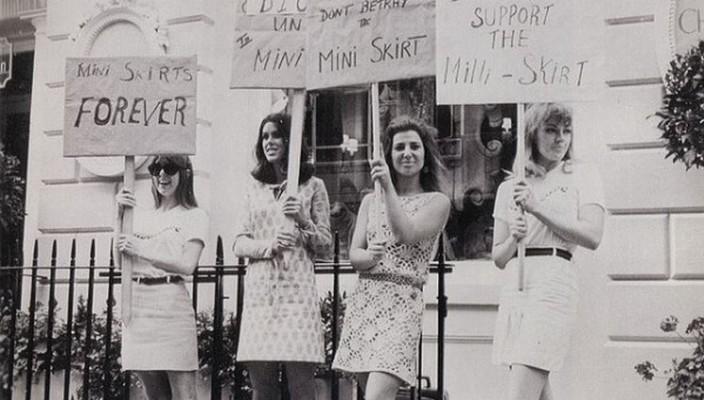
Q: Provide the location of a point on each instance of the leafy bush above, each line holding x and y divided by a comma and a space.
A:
230, 373
11, 193
686, 376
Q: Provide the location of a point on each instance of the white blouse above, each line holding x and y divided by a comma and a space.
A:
562, 192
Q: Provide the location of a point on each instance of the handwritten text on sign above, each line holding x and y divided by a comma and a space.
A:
521, 51
130, 106
269, 44
360, 41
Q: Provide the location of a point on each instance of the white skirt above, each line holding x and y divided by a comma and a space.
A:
162, 332
534, 327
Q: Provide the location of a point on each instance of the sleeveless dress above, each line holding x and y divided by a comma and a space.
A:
281, 312
382, 322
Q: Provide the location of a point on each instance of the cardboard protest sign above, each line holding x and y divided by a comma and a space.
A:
130, 106
354, 42
491, 51
269, 47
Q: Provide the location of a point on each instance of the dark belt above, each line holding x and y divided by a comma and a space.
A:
397, 279
547, 251
158, 281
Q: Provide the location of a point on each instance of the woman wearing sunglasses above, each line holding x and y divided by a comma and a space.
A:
159, 343
281, 315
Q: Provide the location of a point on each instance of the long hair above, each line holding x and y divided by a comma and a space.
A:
185, 196
264, 170
431, 176
537, 115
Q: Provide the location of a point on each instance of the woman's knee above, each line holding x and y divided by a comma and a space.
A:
301, 380
264, 377
381, 386
156, 384
183, 384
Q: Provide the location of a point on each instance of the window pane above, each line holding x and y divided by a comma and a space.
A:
477, 152
477, 144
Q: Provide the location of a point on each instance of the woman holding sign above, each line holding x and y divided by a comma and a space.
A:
159, 343
557, 208
383, 318
281, 235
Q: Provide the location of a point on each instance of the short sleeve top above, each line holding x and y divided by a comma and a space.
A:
563, 191
167, 232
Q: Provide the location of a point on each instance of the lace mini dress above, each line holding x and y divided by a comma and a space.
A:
382, 322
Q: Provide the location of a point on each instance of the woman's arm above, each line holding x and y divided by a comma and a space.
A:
183, 264
362, 257
506, 238
245, 246
585, 228
427, 222
315, 231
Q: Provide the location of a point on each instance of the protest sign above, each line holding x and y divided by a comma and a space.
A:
269, 46
130, 106
491, 51
353, 42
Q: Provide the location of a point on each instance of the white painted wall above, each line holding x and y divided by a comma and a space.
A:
647, 267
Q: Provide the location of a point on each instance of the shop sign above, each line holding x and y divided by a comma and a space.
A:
5, 61
680, 27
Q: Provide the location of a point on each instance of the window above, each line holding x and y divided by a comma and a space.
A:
477, 144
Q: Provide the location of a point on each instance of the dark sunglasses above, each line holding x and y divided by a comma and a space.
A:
170, 168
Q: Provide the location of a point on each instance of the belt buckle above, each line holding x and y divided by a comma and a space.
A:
553, 251
138, 280
168, 278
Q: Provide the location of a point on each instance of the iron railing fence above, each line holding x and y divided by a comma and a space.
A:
205, 274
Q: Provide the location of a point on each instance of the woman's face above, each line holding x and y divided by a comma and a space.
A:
165, 177
554, 139
407, 153
273, 143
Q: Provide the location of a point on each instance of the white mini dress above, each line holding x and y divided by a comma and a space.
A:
534, 327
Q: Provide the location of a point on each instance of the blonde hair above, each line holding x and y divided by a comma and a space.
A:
536, 116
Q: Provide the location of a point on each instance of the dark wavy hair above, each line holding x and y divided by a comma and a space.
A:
184, 191
264, 170
431, 176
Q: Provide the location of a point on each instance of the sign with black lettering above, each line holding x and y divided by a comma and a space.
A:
130, 106
502, 51
354, 42
5, 61
269, 46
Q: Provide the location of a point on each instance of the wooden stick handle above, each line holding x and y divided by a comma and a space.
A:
295, 141
521, 163
377, 153
126, 260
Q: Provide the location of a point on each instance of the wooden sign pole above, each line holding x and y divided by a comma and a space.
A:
377, 153
521, 163
295, 141
126, 260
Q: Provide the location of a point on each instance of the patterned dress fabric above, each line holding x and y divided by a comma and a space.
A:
534, 327
281, 313
382, 323
162, 332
